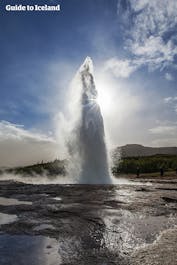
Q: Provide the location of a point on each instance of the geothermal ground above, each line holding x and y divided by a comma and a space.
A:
133, 223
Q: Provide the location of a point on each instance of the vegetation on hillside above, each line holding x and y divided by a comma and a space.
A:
57, 167
148, 164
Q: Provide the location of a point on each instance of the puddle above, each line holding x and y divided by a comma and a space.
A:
131, 182
43, 227
7, 219
57, 199
125, 195
28, 250
9, 201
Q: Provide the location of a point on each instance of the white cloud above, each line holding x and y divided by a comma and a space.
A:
152, 31
165, 134
171, 101
120, 68
169, 77
16, 131
168, 99
172, 141
19, 146
164, 129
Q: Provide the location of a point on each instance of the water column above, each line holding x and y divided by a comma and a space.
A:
93, 152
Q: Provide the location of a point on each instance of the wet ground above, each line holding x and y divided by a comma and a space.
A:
133, 223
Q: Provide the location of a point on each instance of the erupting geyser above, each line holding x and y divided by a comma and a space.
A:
89, 131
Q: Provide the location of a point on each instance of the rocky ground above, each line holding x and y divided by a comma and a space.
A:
132, 223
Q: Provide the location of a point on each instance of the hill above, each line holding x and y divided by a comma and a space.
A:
137, 150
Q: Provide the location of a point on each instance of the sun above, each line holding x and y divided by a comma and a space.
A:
105, 101
112, 98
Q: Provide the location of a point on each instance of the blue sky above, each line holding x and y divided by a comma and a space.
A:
133, 44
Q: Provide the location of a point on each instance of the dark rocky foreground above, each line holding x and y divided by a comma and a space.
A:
88, 224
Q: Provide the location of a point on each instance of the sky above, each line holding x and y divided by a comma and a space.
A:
133, 44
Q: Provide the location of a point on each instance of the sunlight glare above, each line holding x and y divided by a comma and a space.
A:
104, 100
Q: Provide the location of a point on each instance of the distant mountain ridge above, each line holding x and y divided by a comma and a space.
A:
135, 150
